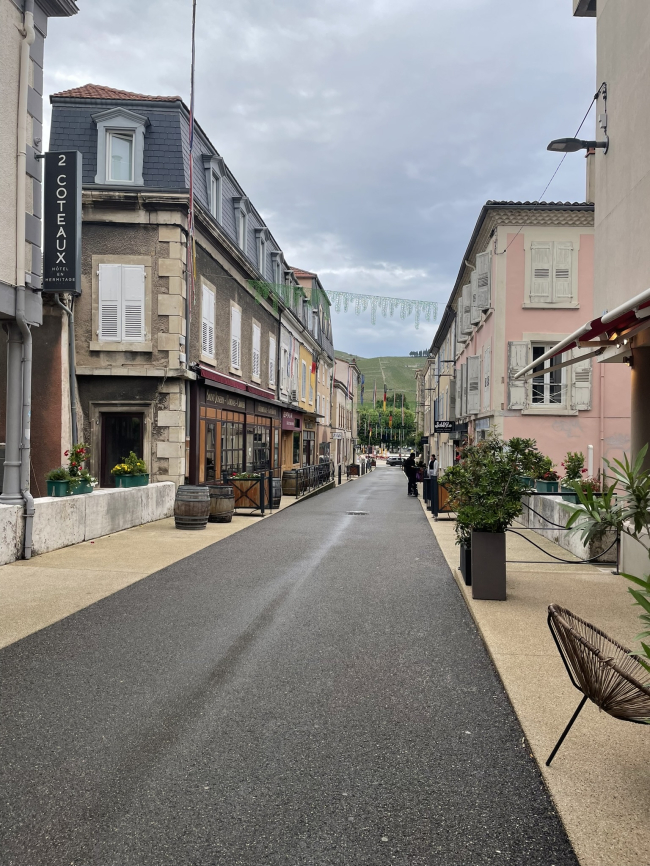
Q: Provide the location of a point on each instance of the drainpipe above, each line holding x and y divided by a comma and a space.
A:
14, 384
72, 368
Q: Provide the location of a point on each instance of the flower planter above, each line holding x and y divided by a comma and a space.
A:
81, 488
489, 566
247, 492
58, 488
527, 480
466, 564
569, 495
132, 480
546, 486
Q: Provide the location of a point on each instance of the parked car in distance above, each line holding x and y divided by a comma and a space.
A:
394, 460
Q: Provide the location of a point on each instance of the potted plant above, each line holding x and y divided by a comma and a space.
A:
548, 480
58, 481
458, 484
81, 481
529, 460
131, 472
574, 469
623, 506
487, 497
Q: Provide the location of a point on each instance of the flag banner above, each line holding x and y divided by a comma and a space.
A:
390, 420
385, 396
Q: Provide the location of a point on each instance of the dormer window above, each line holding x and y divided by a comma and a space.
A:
119, 163
215, 170
261, 237
242, 210
276, 258
120, 146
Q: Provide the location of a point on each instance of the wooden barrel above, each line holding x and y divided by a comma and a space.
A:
289, 482
191, 507
277, 492
222, 503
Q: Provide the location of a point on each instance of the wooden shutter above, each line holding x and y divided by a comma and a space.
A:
475, 311
272, 351
466, 309
133, 303
563, 271
257, 363
540, 281
518, 353
487, 369
484, 280
110, 303
473, 384
581, 382
207, 322
235, 338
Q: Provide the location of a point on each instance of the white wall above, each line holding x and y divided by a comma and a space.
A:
10, 40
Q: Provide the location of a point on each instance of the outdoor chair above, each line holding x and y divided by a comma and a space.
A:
601, 668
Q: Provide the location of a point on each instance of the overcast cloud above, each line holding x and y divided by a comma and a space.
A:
367, 132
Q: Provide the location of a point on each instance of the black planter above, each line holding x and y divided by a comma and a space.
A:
489, 565
466, 564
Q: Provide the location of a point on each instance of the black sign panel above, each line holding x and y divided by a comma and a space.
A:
443, 426
62, 222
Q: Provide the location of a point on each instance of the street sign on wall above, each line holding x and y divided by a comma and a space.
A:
443, 426
62, 222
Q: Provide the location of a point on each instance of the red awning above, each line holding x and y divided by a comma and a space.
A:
624, 321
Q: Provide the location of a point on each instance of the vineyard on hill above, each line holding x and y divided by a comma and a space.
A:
397, 373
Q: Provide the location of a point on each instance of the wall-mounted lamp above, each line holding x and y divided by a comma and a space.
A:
571, 145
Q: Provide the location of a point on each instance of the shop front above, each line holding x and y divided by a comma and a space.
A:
232, 434
292, 432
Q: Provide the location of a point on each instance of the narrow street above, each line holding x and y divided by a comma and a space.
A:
310, 690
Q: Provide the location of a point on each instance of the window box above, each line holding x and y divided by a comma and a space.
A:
546, 486
58, 488
132, 480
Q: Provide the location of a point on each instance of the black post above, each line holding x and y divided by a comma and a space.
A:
340, 468
262, 488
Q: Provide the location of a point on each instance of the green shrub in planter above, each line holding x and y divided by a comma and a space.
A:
546, 486
58, 481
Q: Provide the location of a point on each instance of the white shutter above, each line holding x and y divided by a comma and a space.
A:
473, 384
518, 353
452, 401
110, 303
466, 309
272, 351
484, 280
487, 370
563, 271
133, 303
458, 390
463, 385
475, 312
235, 338
303, 382
257, 338
207, 322
540, 280
581, 382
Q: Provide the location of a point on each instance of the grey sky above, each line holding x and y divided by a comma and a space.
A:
367, 132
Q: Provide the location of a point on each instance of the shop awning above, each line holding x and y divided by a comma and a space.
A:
236, 386
609, 332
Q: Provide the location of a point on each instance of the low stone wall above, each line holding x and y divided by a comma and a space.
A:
62, 521
550, 508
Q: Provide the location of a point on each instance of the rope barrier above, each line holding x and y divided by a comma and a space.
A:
559, 559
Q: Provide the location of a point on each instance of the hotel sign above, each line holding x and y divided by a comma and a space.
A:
443, 426
62, 222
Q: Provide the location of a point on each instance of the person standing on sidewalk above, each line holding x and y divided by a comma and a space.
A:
410, 472
433, 484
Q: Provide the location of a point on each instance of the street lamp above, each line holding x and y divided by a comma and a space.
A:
571, 145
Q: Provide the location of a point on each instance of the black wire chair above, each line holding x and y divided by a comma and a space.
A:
602, 669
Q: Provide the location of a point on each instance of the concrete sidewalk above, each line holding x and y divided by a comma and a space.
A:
599, 779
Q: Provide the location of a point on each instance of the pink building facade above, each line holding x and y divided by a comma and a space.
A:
525, 283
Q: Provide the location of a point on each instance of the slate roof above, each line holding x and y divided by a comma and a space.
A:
300, 273
99, 91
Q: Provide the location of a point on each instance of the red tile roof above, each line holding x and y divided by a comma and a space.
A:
300, 273
98, 91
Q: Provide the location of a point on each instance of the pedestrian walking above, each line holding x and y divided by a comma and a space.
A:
410, 471
433, 484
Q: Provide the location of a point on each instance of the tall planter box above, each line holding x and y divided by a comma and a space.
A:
466, 564
247, 492
489, 566
546, 486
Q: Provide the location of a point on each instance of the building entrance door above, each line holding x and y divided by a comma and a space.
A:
121, 434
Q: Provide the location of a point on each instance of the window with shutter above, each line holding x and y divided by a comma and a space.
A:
272, 352
452, 401
473, 384
207, 322
487, 367
235, 338
562, 271
303, 381
465, 305
257, 339
475, 312
518, 352
484, 281
133, 303
110, 303
541, 262
582, 382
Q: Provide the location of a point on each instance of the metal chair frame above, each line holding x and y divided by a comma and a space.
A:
604, 681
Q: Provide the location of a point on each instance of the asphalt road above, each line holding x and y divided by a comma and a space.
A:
311, 690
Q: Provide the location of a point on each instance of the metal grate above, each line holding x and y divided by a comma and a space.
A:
357, 513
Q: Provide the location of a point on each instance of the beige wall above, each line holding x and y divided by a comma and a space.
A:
622, 263
10, 40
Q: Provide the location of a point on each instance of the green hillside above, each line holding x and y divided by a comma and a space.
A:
397, 373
